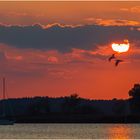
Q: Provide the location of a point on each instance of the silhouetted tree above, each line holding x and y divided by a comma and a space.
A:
71, 103
119, 108
74, 96
89, 109
134, 93
39, 108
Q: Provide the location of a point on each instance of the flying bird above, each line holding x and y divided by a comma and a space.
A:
117, 62
112, 57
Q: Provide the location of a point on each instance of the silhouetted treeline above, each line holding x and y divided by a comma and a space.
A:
73, 109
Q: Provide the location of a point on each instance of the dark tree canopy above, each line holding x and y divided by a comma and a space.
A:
135, 91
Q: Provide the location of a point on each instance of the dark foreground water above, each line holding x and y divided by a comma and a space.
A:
81, 131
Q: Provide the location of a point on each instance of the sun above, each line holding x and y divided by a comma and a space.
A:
120, 48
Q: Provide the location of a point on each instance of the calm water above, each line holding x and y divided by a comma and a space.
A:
96, 131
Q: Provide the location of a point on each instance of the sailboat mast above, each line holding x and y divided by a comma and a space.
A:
4, 87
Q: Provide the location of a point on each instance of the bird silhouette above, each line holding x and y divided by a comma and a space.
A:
111, 57
117, 62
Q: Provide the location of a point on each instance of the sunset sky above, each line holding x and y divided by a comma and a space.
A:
58, 48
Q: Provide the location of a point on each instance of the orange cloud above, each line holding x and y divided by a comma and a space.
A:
52, 59
124, 9
113, 22
135, 9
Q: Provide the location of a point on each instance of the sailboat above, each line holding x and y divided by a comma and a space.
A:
3, 119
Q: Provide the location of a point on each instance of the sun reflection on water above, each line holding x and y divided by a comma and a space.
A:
120, 132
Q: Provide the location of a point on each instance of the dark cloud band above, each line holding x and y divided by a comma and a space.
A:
64, 38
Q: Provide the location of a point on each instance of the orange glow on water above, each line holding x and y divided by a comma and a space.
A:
120, 132
120, 48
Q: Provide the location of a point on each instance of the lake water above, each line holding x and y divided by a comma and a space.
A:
82, 131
